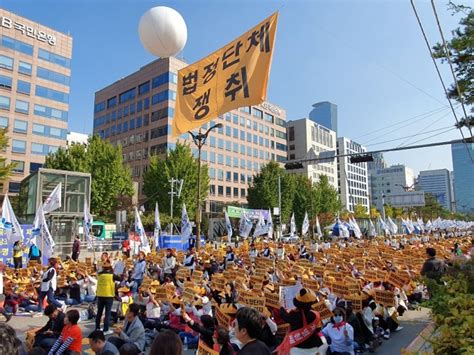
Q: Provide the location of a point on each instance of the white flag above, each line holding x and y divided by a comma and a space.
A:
88, 225
145, 246
318, 228
355, 228
186, 229
383, 226
260, 228
292, 225
41, 235
392, 226
305, 227
270, 225
10, 224
53, 202
245, 225
157, 230
372, 231
228, 226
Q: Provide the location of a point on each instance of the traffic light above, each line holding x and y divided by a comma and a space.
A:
293, 165
277, 219
361, 158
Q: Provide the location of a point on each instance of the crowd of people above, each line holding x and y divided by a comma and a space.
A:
341, 297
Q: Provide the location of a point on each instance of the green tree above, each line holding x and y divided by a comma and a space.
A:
179, 164
302, 199
360, 211
5, 169
374, 213
461, 52
326, 197
111, 182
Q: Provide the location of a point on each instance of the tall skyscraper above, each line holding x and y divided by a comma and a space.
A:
352, 177
307, 139
325, 113
137, 112
35, 71
438, 183
463, 169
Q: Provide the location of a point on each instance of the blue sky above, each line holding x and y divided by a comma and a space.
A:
368, 57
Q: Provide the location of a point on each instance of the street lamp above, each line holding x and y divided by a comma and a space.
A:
200, 139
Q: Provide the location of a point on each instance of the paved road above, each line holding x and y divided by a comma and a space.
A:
413, 322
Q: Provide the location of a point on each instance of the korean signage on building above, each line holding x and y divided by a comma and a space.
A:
236, 212
29, 31
234, 76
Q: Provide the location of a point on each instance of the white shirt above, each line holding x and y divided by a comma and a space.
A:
339, 342
152, 310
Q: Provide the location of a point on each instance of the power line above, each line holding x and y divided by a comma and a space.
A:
440, 109
439, 75
434, 135
410, 136
451, 65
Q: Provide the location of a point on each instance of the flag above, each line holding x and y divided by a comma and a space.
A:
260, 228
145, 246
245, 225
228, 226
41, 235
292, 225
270, 225
305, 226
372, 231
186, 229
428, 226
318, 228
234, 76
53, 202
157, 229
383, 226
10, 224
355, 228
392, 226
88, 225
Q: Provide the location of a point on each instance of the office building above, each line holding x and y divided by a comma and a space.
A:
137, 112
76, 138
308, 139
35, 71
325, 113
463, 169
393, 180
352, 177
438, 183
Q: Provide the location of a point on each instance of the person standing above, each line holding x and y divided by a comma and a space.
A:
189, 261
169, 264
34, 253
76, 248
138, 272
18, 254
105, 296
49, 281
433, 268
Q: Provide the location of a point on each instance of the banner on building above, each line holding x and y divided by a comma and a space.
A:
234, 76
236, 212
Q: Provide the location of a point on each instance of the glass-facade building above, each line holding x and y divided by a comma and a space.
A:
325, 113
463, 170
438, 183
137, 112
35, 74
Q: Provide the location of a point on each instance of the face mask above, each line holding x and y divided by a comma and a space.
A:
338, 319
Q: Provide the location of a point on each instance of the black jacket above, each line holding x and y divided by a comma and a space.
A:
54, 325
433, 268
295, 319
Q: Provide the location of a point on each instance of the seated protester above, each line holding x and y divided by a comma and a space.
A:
366, 319
222, 341
190, 261
141, 298
359, 339
132, 335
248, 330
125, 300
205, 329
70, 340
229, 258
303, 252
202, 304
340, 333
7, 315
267, 252
47, 336
9, 342
231, 310
152, 313
167, 343
300, 319
74, 292
99, 345
89, 285
253, 253
11, 302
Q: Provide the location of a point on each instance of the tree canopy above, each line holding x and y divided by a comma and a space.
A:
5, 169
111, 182
178, 164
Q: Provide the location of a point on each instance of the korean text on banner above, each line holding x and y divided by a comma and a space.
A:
234, 76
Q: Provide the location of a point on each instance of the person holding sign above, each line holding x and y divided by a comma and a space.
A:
305, 336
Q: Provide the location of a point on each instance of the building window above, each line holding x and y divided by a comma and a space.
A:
51, 94
54, 58
228, 191
220, 190
17, 45
18, 146
25, 68
143, 88
257, 113
6, 62
242, 193
49, 112
14, 187
20, 126
53, 76
5, 82
23, 87
291, 133
22, 106
18, 166
236, 192
127, 95
3, 122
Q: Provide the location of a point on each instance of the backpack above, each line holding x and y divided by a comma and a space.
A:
34, 251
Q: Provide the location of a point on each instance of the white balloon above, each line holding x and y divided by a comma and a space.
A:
163, 31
